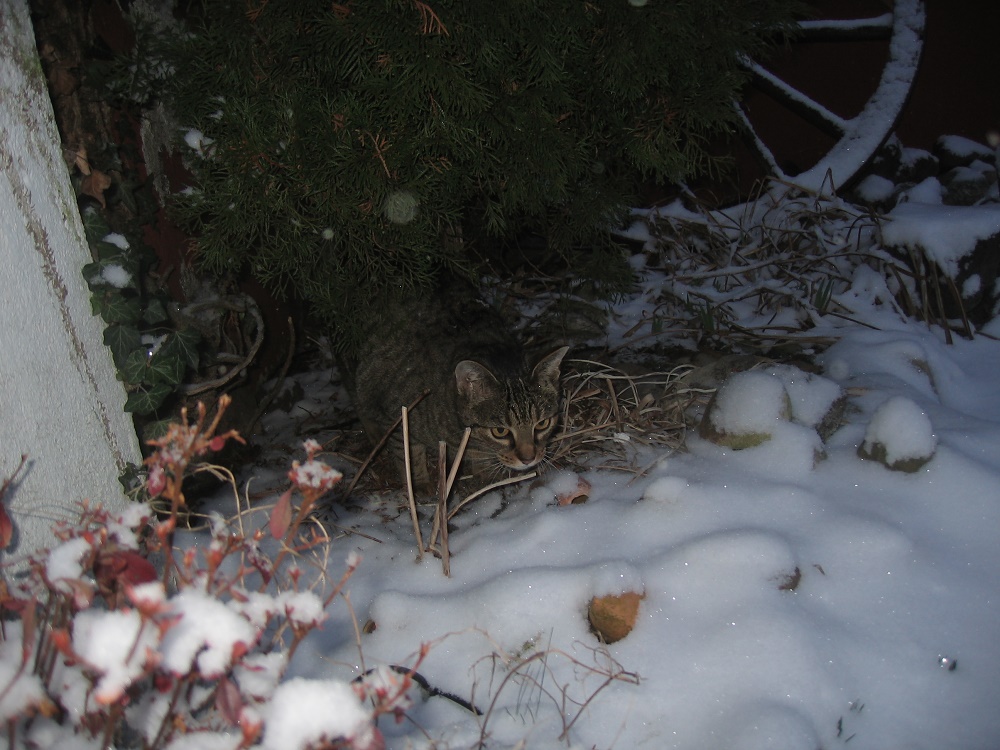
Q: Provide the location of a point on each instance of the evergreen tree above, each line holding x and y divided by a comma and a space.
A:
353, 148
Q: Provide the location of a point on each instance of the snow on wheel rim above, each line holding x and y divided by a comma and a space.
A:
859, 137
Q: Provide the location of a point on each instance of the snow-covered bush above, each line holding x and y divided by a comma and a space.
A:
100, 647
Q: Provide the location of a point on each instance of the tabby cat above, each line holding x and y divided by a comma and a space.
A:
475, 375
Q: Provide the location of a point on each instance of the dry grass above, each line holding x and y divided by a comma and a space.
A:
608, 413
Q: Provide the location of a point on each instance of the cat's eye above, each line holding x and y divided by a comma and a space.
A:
500, 433
543, 424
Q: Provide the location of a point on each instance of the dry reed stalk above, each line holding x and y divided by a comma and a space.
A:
442, 506
489, 488
446, 482
409, 485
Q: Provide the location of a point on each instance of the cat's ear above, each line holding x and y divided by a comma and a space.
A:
475, 383
547, 370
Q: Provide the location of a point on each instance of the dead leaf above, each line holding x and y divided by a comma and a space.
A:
94, 185
613, 617
578, 495
80, 160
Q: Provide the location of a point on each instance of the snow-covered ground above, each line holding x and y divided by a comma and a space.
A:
816, 566
796, 594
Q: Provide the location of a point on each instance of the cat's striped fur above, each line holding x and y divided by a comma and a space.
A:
475, 375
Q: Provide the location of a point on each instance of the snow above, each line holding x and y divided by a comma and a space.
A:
750, 402
945, 233
795, 594
810, 396
115, 644
903, 429
116, 276
64, 563
22, 690
789, 601
964, 147
303, 713
873, 188
206, 634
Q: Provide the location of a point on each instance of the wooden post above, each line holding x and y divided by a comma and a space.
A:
60, 402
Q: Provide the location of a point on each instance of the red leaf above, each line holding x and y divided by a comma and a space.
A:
281, 516
251, 725
240, 649
228, 701
61, 640
6, 525
163, 683
6, 528
124, 567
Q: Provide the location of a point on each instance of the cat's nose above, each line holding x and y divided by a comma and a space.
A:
527, 454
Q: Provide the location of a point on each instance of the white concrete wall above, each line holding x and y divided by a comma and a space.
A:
59, 400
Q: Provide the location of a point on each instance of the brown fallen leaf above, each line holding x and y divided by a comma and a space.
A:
94, 185
576, 496
80, 160
613, 617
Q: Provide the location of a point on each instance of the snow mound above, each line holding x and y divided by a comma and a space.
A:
900, 435
947, 234
746, 410
307, 713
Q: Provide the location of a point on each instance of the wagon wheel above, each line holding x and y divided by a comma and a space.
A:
841, 145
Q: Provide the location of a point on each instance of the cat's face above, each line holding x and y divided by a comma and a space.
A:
512, 419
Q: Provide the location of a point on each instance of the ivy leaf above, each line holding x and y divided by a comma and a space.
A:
118, 309
92, 274
134, 368
122, 340
155, 312
157, 429
109, 252
94, 226
166, 366
185, 343
145, 401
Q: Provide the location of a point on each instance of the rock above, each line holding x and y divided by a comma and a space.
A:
887, 160
612, 617
877, 192
900, 436
955, 151
966, 186
917, 165
745, 410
